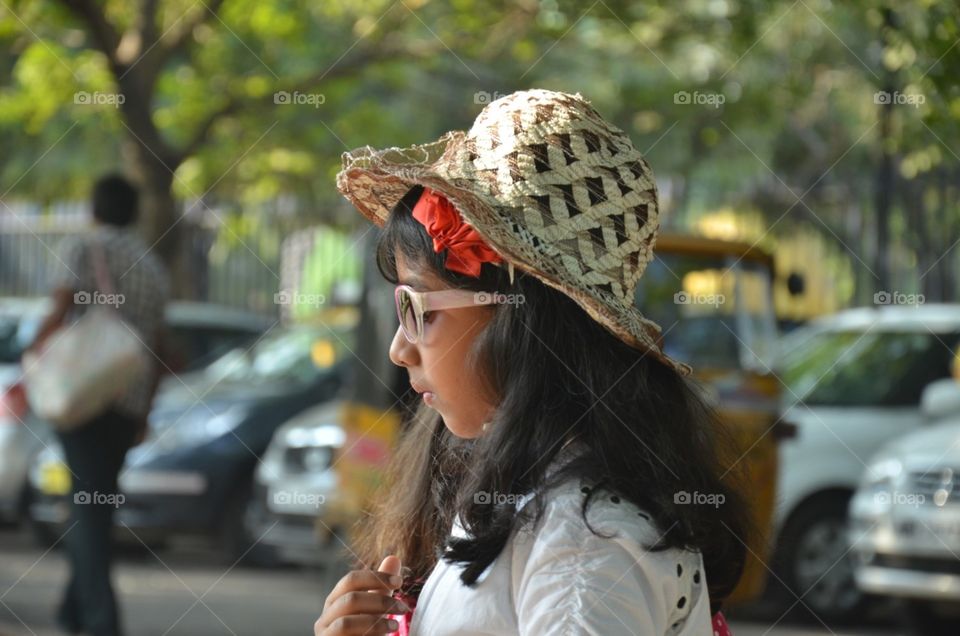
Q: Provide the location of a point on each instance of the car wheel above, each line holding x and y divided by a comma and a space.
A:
240, 545
816, 564
929, 618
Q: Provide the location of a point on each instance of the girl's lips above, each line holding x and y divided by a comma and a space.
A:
429, 398
416, 387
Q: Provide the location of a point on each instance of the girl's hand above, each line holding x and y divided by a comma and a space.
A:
359, 601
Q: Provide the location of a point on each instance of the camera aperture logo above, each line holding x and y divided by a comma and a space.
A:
83, 498
98, 98
896, 97
697, 498
897, 498
288, 297
496, 298
485, 498
299, 99
701, 99
898, 298
484, 98
298, 498
98, 298
689, 298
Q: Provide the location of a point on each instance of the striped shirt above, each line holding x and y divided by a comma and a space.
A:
141, 288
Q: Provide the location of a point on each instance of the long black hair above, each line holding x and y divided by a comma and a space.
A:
647, 433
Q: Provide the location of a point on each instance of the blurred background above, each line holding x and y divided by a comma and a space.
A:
807, 161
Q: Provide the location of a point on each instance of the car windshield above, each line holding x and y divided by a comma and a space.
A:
867, 368
298, 354
199, 346
715, 311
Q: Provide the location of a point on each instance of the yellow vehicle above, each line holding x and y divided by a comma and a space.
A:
714, 302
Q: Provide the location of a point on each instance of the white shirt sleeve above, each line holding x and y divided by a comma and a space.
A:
575, 582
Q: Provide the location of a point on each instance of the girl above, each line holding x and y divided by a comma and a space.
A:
554, 478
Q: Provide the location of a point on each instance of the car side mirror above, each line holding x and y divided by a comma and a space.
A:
940, 399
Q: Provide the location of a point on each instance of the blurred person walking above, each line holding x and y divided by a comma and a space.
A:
95, 448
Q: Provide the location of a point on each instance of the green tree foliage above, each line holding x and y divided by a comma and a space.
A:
839, 116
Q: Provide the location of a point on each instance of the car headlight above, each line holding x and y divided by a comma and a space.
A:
882, 473
323, 435
313, 459
306, 449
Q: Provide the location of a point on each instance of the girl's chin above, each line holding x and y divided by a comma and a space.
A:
461, 431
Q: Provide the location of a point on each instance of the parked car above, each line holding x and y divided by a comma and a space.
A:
197, 333
905, 518
853, 384
19, 320
194, 472
296, 485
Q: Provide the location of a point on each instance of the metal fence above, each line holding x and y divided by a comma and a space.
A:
246, 271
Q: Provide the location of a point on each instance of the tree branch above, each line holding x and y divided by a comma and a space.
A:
148, 23
100, 28
176, 37
237, 103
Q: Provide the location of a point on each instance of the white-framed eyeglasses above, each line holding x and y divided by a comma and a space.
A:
411, 305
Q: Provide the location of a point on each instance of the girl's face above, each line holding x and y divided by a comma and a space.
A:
437, 364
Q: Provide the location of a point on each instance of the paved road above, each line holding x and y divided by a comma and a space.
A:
188, 591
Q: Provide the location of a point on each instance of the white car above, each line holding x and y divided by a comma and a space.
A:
20, 439
853, 383
296, 485
905, 518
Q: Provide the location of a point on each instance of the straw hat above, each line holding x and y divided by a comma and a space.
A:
552, 187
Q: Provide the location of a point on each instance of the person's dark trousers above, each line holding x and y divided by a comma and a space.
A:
94, 454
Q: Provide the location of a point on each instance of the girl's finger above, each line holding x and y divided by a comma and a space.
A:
358, 624
371, 603
363, 580
390, 564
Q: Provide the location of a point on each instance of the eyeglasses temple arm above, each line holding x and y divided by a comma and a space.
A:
455, 299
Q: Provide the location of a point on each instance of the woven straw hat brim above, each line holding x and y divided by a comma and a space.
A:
374, 181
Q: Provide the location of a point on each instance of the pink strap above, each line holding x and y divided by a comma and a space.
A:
720, 627
404, 620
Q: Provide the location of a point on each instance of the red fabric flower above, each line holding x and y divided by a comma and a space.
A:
466, 251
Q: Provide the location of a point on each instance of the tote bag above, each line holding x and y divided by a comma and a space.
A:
86, 366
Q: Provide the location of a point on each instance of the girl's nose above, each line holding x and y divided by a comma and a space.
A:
403, 353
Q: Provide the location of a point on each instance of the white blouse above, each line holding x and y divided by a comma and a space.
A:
560, 578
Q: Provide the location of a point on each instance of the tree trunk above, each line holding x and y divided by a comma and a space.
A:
166, 235
949, 233
151, 164
885, 170
884, 196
